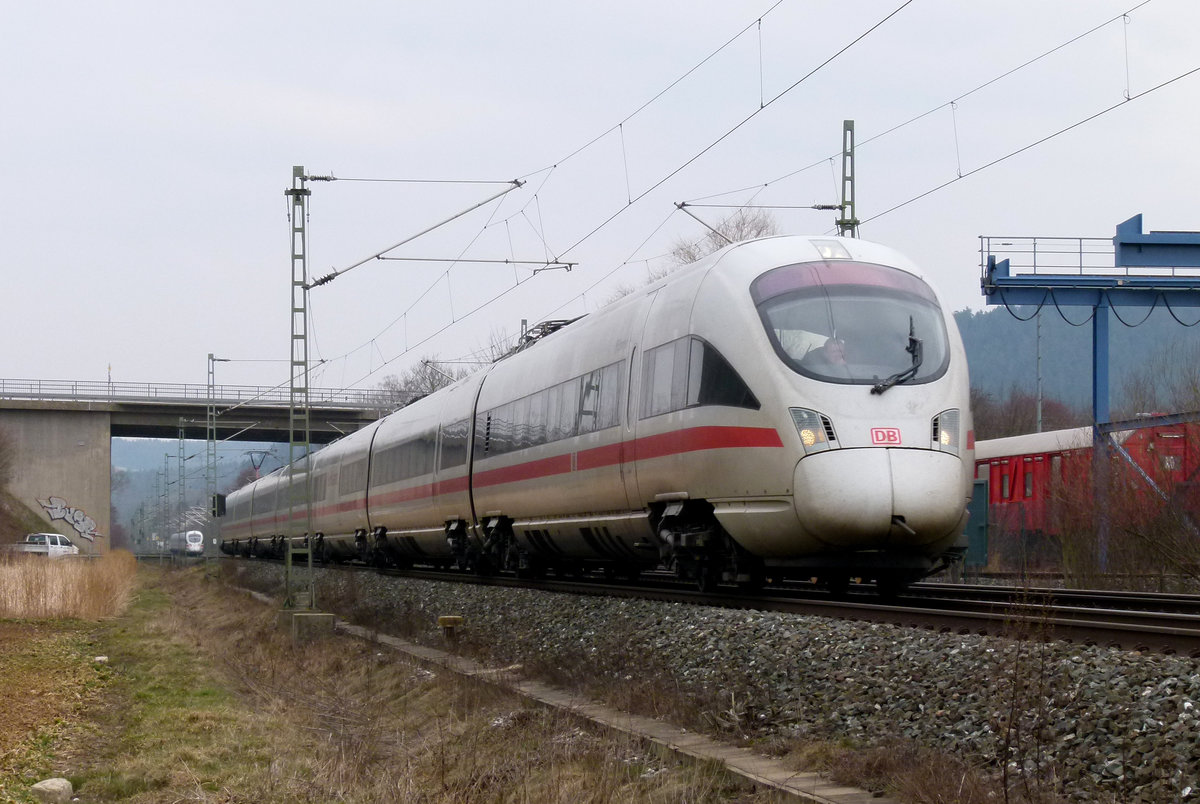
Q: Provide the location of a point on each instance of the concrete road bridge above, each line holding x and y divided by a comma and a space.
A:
60, 432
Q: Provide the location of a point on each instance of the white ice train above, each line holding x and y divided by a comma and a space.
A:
788, 406
186, 543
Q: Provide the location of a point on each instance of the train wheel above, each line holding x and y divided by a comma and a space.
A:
748, 572
891, 586
629, 573
708, 576
530, 568
753, 580
838, 585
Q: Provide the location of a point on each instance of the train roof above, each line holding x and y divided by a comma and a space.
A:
1039, 443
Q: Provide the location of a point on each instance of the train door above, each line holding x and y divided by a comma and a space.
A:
631, 430
633, 383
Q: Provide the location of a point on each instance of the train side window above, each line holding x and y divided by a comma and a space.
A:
454, 444
718, 383
1004, 484
687, 373
568, 408
660, 393
520, 422
538, 429
600, 401
408, 459
353, 477
611, 392
1028, 481
554, 398
501, 430
589, 403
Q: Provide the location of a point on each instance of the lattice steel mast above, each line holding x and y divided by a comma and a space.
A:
300, 593
848, 223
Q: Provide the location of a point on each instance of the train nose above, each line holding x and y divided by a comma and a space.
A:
849, 498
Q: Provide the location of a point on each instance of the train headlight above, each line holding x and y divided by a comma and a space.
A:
945, 431
831, 250
816, 431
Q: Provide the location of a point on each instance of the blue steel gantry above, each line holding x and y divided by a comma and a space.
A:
1145, 270
1140, 270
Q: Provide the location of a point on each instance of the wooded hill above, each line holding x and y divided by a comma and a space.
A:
1154, 366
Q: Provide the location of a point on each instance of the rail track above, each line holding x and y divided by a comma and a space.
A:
1147, 622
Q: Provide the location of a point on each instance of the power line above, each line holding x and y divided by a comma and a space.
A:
665, 178
939, 107
1034, 144
763, 105
737, 126
411, 181
660, 93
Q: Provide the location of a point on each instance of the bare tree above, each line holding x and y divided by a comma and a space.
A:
1169, 381
1017, 414
428, 375
745, 224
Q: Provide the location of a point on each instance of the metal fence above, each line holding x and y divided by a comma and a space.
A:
1050, 255
223, 395
1077, 256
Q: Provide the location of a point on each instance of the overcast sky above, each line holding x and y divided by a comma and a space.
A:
147, 147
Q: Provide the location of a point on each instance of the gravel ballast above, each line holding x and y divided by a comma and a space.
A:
1102, 722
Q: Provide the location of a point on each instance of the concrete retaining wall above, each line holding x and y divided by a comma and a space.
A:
62, 469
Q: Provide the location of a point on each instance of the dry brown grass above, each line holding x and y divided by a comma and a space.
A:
86, 589
211, 702
908, 771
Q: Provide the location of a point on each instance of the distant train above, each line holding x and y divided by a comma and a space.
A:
1035, 481
788, 406
186, 543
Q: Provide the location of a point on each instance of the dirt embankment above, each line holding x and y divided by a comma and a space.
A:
16, 520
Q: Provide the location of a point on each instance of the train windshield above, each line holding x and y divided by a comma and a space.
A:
853, 323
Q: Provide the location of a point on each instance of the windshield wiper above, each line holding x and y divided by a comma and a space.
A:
914, 349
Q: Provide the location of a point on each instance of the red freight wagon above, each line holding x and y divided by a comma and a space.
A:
1027, 475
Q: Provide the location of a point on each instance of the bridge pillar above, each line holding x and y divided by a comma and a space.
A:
62, 471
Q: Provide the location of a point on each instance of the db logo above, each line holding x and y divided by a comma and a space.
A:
885, 436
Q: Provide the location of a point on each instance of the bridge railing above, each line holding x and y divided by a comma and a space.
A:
1070, 256
224, 395
1049, 255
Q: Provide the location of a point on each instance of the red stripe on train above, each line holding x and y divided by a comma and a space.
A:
693, 439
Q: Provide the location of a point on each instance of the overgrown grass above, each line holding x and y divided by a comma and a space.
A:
48, 679
205, 700
86, 589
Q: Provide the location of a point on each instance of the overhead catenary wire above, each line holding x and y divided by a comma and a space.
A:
738, 125
515, 184
764, 104
667, 177
1034, 144
657, 95
916, 198
950, 103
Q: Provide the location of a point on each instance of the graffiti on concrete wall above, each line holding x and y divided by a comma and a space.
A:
84, 525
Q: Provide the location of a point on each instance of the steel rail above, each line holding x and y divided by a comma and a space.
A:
1037, 617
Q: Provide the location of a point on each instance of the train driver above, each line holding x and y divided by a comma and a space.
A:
831, 355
